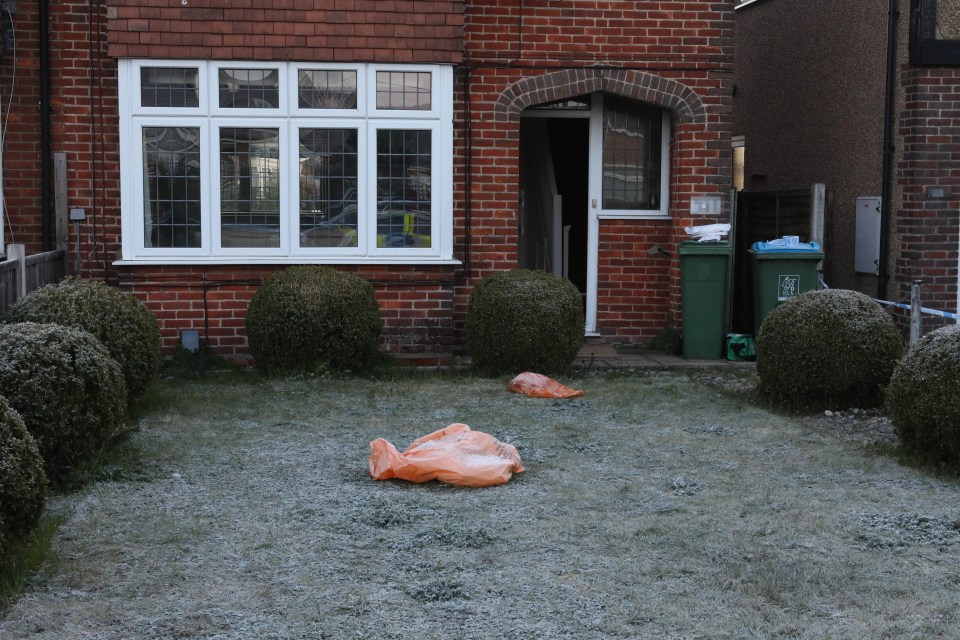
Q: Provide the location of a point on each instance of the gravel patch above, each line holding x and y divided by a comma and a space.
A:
865, 426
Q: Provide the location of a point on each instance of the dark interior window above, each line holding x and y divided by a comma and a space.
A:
935, 32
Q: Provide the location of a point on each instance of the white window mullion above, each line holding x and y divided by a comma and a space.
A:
367, 203
665, 164
290, 184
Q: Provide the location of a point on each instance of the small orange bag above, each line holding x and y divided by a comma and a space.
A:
455, 455
540, 386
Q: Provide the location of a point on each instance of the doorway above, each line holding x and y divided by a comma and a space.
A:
554, 177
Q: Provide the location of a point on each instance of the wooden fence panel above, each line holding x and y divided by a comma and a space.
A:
40, 269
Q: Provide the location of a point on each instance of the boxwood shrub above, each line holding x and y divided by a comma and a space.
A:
524, 320
122, 323
923, 397
312, 317
66, 387
23, 484
829, 348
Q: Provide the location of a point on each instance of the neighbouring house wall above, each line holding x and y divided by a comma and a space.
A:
508, 56
809, 101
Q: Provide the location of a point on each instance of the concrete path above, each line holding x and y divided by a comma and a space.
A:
597, 354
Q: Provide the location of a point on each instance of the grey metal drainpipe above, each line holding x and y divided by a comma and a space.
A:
892, 14
46, 165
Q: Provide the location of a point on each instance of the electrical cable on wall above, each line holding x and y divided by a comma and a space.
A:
8, 46
97, 152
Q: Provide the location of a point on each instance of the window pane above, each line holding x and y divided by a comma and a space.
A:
403, 188
948, 20
169, 87
171, 187
249, 187
328, 188
403, 90
631, 155
249, 88
327, 89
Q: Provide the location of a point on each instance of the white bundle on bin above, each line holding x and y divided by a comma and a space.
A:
708, 232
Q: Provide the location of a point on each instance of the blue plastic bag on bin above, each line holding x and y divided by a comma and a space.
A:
762, 247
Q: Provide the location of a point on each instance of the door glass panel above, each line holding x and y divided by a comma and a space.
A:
403, 188
171, 187
632, 137
328, 188
249, 187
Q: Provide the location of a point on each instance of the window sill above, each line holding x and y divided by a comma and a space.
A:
150, 262
633, 216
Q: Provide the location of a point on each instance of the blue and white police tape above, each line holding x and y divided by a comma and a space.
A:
932, 312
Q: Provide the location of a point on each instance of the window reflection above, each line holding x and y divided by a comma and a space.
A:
169, 87
249, 88
403, 188
328, 188
171, 187
403, 90
320, 89
632, 137
249, 187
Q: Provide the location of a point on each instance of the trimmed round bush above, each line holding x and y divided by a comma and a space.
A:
311, 317
66, 387
122, 323
524, 320
829, 348
23, 484
923, 397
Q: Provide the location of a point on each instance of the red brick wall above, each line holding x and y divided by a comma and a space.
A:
927, 227
84, 126
634, 291
330, 30
675, 54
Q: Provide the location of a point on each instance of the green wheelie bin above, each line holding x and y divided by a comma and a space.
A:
781, 272
703, 280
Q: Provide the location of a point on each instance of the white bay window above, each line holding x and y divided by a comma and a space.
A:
248, 162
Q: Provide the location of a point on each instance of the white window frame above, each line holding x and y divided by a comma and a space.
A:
596, 151
289, 118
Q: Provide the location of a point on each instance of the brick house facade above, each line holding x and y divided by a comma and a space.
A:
481, 84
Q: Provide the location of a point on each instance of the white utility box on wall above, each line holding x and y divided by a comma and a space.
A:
866, 257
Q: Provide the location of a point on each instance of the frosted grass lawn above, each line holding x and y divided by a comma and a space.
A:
654, 507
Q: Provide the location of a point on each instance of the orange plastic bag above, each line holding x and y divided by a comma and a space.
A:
540, 386
455, 455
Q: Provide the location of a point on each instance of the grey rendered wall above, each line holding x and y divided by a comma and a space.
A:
809, 95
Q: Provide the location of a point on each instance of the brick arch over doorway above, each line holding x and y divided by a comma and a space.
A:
638, 85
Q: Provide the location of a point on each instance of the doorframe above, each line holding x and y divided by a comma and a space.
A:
594, 203
593, 223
